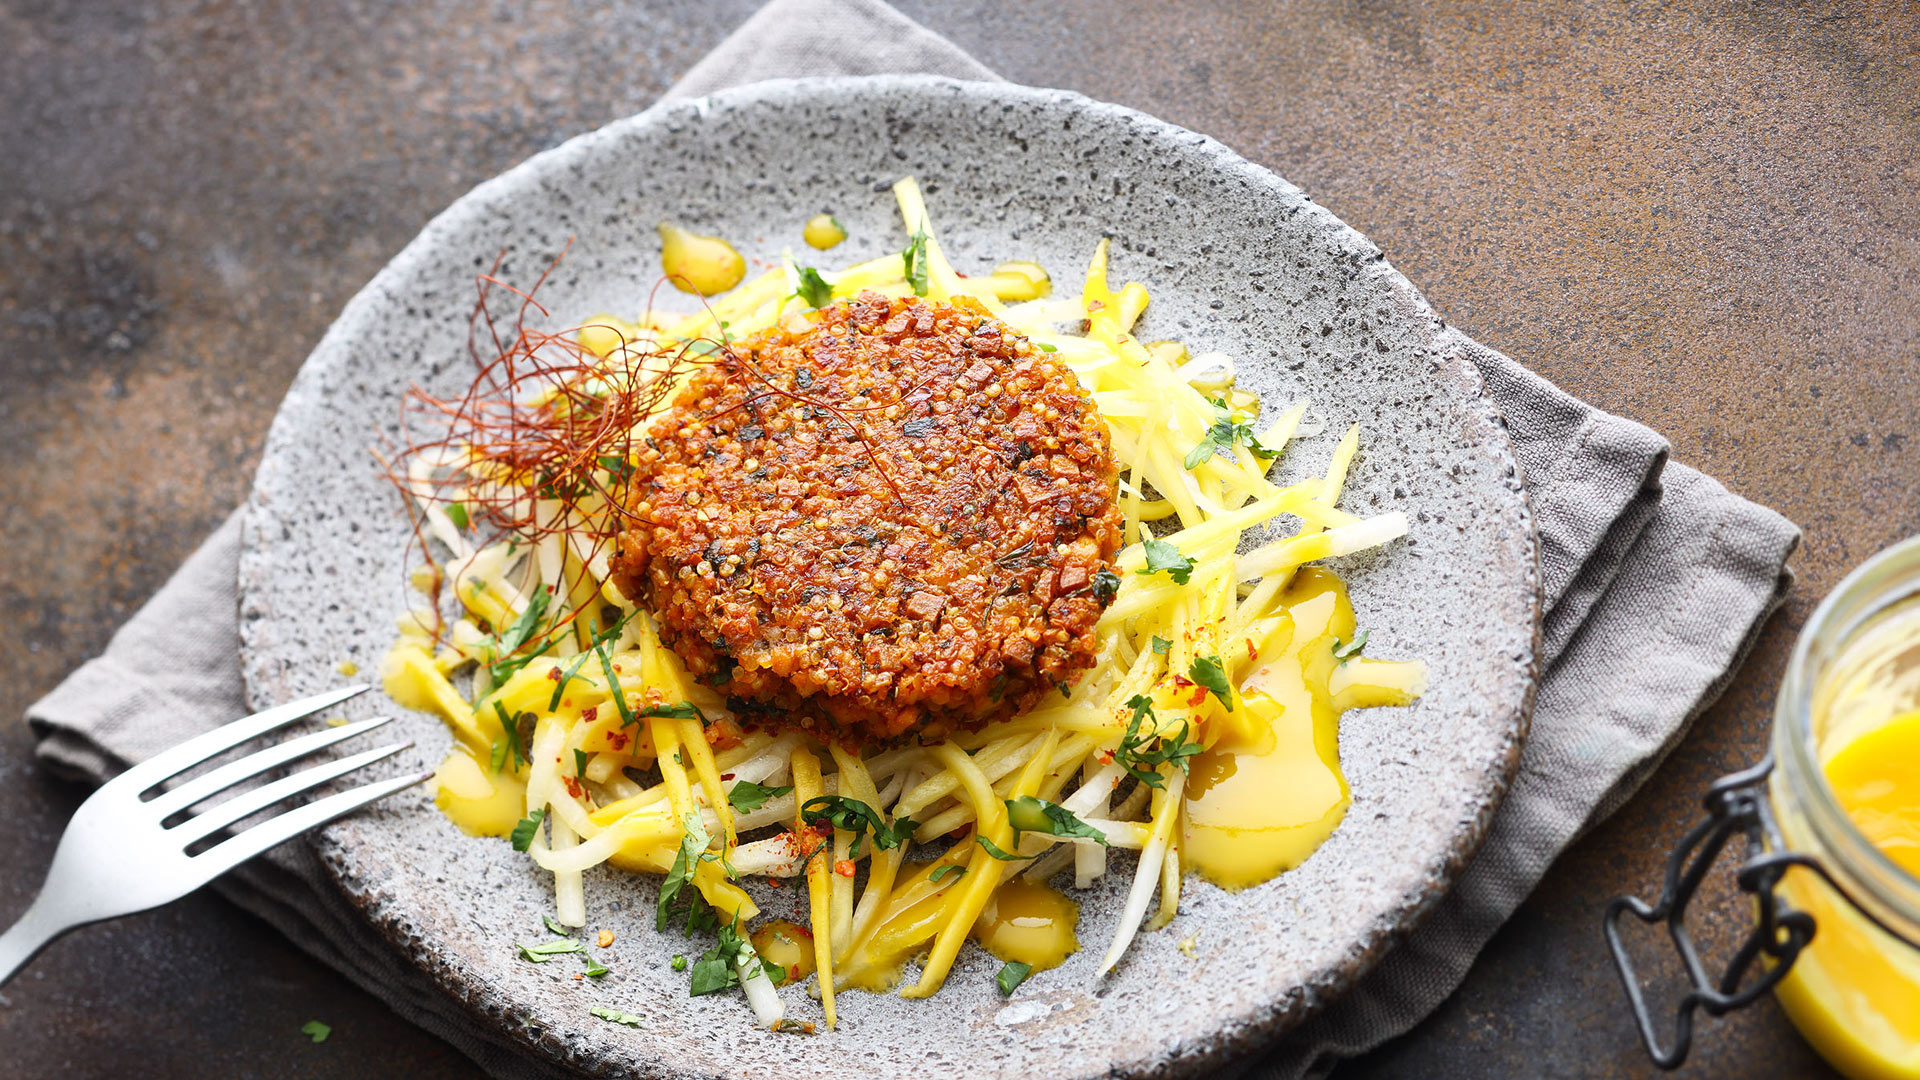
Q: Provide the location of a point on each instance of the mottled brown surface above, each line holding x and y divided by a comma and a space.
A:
1702, 219
882, 522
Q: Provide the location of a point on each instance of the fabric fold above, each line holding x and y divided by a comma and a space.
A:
1657, 579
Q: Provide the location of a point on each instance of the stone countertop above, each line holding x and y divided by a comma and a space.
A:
1704, 220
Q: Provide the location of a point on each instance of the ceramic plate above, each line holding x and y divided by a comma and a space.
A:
1237, 260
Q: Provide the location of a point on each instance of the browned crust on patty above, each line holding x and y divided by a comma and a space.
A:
884, 519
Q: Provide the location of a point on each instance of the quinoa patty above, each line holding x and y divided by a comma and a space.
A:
884, 519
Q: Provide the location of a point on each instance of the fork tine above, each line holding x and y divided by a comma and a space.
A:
205, 787
220, 739
228, 854
252, 802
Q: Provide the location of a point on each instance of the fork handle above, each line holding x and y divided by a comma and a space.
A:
28, 936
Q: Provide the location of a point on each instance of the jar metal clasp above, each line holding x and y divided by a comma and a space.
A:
1736, 805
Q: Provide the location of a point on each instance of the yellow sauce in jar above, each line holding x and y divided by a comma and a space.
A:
1854, 991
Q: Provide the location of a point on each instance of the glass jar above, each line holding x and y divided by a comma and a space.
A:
1832, 842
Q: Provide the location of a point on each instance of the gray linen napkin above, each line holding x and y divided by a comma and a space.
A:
1656, 580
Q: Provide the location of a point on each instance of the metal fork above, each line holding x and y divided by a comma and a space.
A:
119, 855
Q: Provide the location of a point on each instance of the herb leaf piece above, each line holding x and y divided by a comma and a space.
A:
1351, 649
944, 872
1164, 556
457, 513
1142, 755
315, 1030
547, 950
527, 828
747, 796
996, 851
1209, 672
1028, 814
1161, 645
857, 817
615, 1015
814, 288
914, 261
1012, 976
1106, 585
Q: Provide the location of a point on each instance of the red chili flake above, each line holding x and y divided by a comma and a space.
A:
616, 669
1105, 756
844, 868
568, 702
776, 883
1199, 695
573, 787
553, 674
588, 714
726, 776
1251, 655
617, 740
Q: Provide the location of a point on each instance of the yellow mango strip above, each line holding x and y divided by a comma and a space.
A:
942, 282
1095, 297
666, 742
693, 740
808, 786
855, 783
410, 678
1226, 526
1128, 306
740, 302
641, 831
885, 270
983, 873
730, 900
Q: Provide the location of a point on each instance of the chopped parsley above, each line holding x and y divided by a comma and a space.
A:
554, 927
1043, 347
547, 950
1012, 976
1142, 755
857, 817
747, 796
1351, 649
683, 710
1222, 435
457, 513
1161, 645
723, 965
519, 634
566, 676
613, 684
693, 849
615, 1015
679, 962
1106, 585
527, 828
1209, 672
1028, 814
1164, 556
914, 261
579, 763
942, 873
814, 288
595, 969
997, 851
315, 1030
514, 745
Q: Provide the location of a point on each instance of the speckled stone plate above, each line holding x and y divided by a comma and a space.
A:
1237, 260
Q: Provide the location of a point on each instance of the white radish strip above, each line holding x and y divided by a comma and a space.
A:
1169, 889
1295, 551
1148, 873
768, 1009
1095, 791
569, 897
600, 848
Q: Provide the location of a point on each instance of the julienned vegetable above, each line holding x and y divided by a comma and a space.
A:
583, 738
